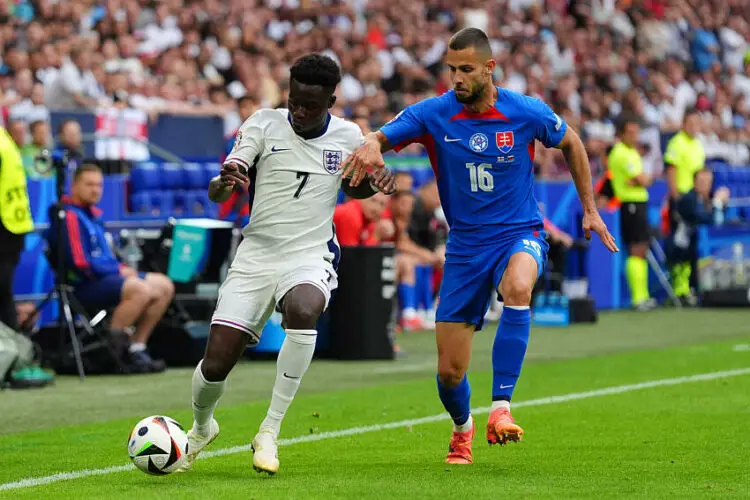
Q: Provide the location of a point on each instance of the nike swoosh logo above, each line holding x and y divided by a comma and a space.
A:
274, 150
448, 139
506, 386
291, 378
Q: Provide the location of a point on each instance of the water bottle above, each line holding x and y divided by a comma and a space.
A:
718, 214
738, 265
723, 274
706, 277
132, 250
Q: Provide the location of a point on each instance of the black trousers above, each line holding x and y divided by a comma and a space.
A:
8, 262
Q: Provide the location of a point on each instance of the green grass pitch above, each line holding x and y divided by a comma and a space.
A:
651, 405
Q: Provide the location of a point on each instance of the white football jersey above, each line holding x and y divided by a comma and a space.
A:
294, 183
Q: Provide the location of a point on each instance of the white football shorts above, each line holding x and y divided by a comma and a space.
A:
249, 294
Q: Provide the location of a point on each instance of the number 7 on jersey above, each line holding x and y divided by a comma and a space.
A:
304, 176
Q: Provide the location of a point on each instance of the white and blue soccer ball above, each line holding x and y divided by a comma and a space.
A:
158, 445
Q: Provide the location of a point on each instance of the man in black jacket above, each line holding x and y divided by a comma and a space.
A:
693, 208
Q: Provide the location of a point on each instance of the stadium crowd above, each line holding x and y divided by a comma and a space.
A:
588, 59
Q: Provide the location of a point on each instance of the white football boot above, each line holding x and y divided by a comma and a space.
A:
196, 443
266, 452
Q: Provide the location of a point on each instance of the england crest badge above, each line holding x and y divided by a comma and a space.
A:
332, 160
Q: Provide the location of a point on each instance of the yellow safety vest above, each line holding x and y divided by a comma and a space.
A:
688, 156
625, 163
15, 211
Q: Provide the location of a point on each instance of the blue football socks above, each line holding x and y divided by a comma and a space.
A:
407, 294
509, 349
456, 400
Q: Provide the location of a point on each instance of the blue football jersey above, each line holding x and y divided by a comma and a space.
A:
484, 163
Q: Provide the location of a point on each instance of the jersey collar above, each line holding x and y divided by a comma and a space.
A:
322, 131
94, 210
491, 114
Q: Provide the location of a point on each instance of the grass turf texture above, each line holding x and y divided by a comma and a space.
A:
685, 440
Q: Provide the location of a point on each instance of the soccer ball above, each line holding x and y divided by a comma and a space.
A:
157, 445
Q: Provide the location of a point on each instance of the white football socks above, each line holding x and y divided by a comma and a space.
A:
205, 397
500, 404
294, 359
466, 426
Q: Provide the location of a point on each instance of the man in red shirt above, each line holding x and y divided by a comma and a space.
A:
363, 222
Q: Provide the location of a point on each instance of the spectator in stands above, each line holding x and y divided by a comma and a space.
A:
17, 131
39, 141
404, 181
693, 208
423, 243
74, 86
70, 144
401, 207
361, 222
100, 279
559, 244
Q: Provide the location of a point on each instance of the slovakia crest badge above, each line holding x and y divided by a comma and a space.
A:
505, 141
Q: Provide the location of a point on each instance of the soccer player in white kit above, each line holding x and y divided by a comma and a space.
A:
290, 161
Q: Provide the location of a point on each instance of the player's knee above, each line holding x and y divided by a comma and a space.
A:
517, 292
137, 291
301, 316
451, 372
166, 287
214, 370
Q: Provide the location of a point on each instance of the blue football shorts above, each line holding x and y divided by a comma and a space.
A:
471, 276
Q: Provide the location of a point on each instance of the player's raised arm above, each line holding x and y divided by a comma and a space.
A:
247, 147
232, 177
404, 129
578, 163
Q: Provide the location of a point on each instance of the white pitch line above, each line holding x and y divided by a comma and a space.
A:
352, 431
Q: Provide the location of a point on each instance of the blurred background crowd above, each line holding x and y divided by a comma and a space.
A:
589, 59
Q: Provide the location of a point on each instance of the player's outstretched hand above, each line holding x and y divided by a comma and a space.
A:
592, 221
384, 180
234, 176
367, 158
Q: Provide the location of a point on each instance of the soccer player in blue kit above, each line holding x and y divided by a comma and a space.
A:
480, 140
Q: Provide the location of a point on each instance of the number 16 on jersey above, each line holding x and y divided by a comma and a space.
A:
480, 178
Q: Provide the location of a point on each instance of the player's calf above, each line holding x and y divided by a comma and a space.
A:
301, 308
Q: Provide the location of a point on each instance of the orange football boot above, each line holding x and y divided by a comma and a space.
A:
459, 451
501, 428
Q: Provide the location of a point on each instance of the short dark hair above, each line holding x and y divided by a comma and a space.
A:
244, 98
86, 167
64, 124
402, 193
471, 38
689, 112
316, 69
36, 123
624, 120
